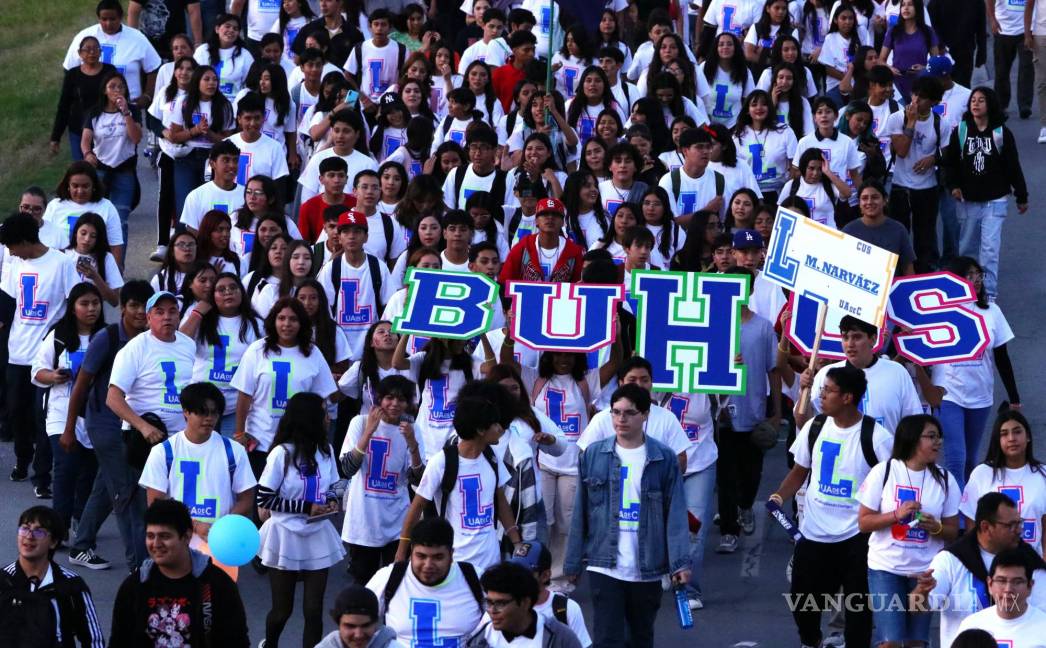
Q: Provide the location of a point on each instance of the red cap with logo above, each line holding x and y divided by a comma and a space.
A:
352, 219
550, 206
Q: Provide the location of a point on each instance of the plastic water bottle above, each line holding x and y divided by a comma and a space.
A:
686, 617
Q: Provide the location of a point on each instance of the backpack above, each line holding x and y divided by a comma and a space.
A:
59, 346
867, 433
963, 129
677, 183
168, 453
27, 619
386, 225
358, 53
399, 571
559, 607
375, 280
497, 188
450, 477
113, 338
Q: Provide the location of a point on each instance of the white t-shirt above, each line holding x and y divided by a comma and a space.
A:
128, 50
199, 475
270, 124
768, 154
723, 103
471, 509
626, 566
734, 16
676, 242
890, 395
957, 594
204, 109
152, 373
951, 109
310, 177
39, 287
820, 204
210, 196
113, 277
357, 307
694, 412
264, 156
376, 243
840, 153
270, 379
1026, 631
63, 214
971, 384
913, 553
351, 384
290, 482
493, 54
837, 469
58, 395
661, 425
380, 66
439, 401
562, 400
694, 193
472, 183
111, 143
231, 67
421, 615
377, 499
260, 17
1010, 15
217, 364
924, 143
575, 619
569, 72
880, 118
1026, 487
835, 54
764, 83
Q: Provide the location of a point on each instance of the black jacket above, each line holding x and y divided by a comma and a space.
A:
75, 612
980, 169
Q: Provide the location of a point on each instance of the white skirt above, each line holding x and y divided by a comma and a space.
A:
288, 550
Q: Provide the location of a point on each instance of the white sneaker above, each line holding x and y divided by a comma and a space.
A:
696, 604
728, 544
834, 640
1042, 135
158, 254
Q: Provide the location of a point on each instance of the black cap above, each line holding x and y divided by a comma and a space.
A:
355, 599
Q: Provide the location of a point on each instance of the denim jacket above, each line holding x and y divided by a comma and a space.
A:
664, 541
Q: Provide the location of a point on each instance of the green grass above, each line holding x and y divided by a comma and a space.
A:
34, 35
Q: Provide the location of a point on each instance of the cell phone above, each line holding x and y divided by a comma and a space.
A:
351, 97
83, 260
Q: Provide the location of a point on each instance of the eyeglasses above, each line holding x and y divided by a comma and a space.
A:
623, 414
1015, 582
37, 533
230, 289
933, 436
1012, 526
31, 209
255, 193
185, 245
826, 390
496, 605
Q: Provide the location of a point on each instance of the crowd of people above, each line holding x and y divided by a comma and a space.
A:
309, 153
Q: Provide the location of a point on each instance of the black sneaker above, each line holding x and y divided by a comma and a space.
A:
87, 558
42, 492
19, 474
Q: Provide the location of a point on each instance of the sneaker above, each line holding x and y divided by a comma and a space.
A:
1042, 135
834, 640
19, 473
42, 492
728, 544
87, 558
696, 603
746, 518
158, 254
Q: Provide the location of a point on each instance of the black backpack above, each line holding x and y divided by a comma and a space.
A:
450, 478
375, 282
559, 607
27, 619
677, 182
113, 338
497, 188
399, 571
867, 434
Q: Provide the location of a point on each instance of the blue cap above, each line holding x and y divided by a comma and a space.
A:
939, 66
529, 554
163, 294
747, 238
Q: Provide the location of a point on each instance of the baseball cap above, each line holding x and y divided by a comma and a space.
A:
163, 294
550, 206
355, 599
353, 219
939, 66
532, 555
747, 238
390, 101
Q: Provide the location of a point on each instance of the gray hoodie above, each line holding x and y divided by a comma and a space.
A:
383, 638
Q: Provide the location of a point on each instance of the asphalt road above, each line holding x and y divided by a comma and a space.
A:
744, 605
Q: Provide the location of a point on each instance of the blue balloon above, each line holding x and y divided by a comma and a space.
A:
234, 540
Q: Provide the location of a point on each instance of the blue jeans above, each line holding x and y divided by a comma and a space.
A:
893, 621
947, 209
624, 611
188, 174
120, 188
121, 483
963, 429
74, 474
980, 237
75, 152
699, 489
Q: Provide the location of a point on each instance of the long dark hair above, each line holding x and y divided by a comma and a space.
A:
688, 86
777, 56
167, 275
101, 242
188, 298
737, 64
99, 107
855, 42
436, 351
259, 253
897, 31
286, 277
808, 156
302, 427
171, 91
244, 216
692, 255
669, 228
580, 102
763, 25
577, 372
962, 265
572, 201
304, 339
205, 248
483, 200
523, 410
721, 135
80, 167
369, 361
213, 42
281, 97
420, 186
995, 457
489, 96
583, 42
326, 330
221, 109
797, 103
996, 115
208, 331
66, 329
264, 269
306, 12
906, 442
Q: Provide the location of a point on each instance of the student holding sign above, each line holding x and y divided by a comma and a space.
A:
546, 255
